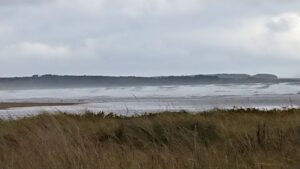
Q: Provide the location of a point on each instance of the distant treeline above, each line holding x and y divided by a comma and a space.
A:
56, 81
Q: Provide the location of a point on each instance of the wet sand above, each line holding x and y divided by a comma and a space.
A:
4, 106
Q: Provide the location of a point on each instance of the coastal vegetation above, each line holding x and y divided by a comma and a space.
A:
219, 139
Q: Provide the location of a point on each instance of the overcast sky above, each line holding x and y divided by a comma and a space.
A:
149, 37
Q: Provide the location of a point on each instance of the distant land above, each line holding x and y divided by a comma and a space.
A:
58, 81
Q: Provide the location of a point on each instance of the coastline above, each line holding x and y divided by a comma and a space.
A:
9, 105
137, 106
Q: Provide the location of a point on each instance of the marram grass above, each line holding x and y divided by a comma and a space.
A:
232, 139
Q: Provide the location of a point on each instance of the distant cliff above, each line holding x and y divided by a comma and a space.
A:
246, 76
233, 76
265, 76
55, 81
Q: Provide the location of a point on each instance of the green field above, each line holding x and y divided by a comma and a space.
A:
232, 139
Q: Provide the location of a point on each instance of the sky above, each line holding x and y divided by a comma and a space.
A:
149, 37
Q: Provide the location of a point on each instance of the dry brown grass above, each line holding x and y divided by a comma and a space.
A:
235, 139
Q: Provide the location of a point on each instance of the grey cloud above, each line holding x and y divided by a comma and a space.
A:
282, 25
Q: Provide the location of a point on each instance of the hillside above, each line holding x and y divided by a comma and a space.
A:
56, 81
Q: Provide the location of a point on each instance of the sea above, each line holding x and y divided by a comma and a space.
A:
137, 100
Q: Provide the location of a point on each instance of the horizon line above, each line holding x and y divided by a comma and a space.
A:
150, 76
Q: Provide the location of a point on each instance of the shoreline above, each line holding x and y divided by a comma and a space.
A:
9, 105
139, 105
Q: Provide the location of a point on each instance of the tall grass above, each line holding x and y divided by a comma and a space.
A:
233, 139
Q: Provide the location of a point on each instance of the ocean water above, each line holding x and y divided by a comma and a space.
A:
137, 100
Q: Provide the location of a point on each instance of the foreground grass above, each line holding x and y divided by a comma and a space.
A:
235, 139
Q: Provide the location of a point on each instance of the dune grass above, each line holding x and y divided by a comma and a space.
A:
233, 139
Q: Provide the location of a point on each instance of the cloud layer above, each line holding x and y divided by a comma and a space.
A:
149, 37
